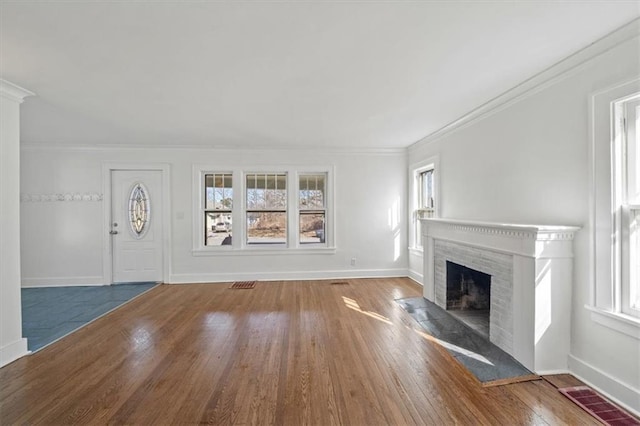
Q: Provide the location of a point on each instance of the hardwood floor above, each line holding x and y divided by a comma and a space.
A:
284, 353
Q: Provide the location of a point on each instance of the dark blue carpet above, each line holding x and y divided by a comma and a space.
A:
49, 313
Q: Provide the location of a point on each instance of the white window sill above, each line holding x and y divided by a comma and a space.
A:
623, 323
264, 251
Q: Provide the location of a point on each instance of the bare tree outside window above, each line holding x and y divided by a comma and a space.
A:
266, 208
312, 208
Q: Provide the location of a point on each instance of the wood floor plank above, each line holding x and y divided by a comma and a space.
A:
283, 353
563, 380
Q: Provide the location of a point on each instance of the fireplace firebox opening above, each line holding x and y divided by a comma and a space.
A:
467, 288
469, 296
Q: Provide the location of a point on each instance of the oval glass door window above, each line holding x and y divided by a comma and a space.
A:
139, 210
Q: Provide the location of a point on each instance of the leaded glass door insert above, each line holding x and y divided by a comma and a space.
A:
139, 210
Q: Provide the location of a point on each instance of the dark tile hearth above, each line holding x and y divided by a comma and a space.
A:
469, 346
474, 318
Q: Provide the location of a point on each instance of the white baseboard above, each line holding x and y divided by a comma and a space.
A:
62, 281
417, 277
13, 351
614, 389
286, 276
552, 372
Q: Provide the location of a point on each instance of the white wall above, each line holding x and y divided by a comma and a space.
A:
12, 344
527, 162
62, 240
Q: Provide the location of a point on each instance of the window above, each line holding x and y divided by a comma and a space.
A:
311, 208
266, 208
274, 210
613, 219
626, 198
426, 191
218, 208
424, 198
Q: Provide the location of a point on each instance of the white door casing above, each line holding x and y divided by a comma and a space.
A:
136, 258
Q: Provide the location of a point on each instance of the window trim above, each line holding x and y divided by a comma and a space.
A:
414, 187
239, 245
605, 302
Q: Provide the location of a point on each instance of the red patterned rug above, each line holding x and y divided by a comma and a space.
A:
243, 285
598, 407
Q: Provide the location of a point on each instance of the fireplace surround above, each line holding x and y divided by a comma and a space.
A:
531, 269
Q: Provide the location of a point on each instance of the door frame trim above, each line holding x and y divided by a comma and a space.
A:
107, 242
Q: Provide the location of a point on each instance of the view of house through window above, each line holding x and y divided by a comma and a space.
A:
266, 208
287, 208
218, 208
312, 208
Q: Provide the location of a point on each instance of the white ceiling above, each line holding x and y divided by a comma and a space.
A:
361, 74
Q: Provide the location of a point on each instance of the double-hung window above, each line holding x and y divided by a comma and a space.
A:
266, 210
424, 198
427, 195
626, 197
275, 209
615, 204
218, 208
312, 208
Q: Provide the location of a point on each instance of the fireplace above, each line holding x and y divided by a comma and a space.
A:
525, 273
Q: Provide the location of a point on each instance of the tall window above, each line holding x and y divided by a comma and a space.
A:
425, 199
266, 208
614, 204
626, 190
218, 208
312, 208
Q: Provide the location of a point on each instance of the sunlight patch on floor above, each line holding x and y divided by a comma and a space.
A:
452, 347
352, 304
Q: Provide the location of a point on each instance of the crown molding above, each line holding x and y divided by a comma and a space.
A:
13, 91
219, 148
548, 77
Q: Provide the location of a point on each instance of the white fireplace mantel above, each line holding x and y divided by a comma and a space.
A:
525, 240
534, 267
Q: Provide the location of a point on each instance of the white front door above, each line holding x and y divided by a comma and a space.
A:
136, 225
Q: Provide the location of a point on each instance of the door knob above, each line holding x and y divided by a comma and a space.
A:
112, 232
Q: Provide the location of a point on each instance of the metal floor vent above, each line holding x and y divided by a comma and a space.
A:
339, 282
594, 404
242, 285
